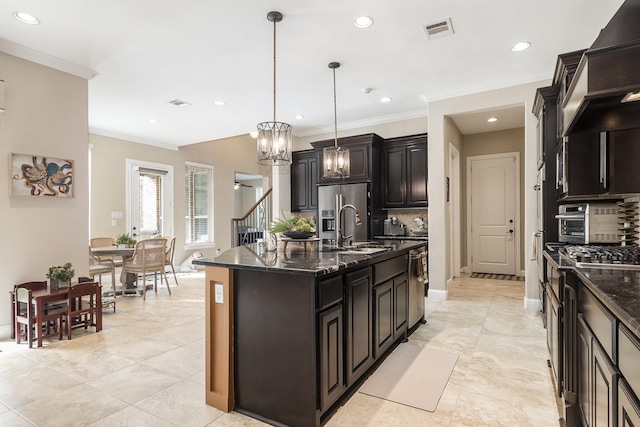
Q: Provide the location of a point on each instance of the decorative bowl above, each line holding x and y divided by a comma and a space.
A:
299, 234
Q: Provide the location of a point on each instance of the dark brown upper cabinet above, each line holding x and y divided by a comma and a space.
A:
364, 157
304, 181
404, 165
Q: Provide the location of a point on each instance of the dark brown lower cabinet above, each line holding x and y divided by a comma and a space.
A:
383, 330
597, 380
332, 383
628, 406
359, 322
401, 306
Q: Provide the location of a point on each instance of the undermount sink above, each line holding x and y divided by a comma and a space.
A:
363, 248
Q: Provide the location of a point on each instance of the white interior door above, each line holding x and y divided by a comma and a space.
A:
492, 191
149, 199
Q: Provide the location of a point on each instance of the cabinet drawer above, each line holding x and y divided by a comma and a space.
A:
598, 319
629, 358
388, 269
329, 292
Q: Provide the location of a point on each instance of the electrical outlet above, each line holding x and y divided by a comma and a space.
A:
114, 222
219, 294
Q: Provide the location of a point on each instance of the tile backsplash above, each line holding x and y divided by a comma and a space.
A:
408, 217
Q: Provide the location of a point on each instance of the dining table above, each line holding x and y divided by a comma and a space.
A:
128, 280
42, 297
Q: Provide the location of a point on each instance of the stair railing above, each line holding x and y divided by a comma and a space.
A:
254, 224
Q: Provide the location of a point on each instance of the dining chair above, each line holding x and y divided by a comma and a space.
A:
84, 306
148, 257
101, 242
170, 250
25, 316
34, 286
99, 266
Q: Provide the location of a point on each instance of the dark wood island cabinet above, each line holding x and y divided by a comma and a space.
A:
303, 326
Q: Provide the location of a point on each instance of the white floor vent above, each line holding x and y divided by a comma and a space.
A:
438, 29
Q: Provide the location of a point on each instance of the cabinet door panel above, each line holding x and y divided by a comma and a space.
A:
331, 357
383, 330
604, 383
359, 321
417, 175
395, 177
584, 371
313, 184
628, 406
401, 302
299, 172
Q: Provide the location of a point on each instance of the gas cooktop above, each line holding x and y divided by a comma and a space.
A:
591, 256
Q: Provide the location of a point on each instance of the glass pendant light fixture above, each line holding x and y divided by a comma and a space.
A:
274, 138
335, 160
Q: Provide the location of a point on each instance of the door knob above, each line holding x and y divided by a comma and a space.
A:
510, 231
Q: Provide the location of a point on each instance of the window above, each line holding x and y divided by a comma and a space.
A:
198, 189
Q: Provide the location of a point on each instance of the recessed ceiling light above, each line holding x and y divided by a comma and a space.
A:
363, 22
153, 121
492, 119
220, 103
26, 18
299, 117
520, 46
385, 99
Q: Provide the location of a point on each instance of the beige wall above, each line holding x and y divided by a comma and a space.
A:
505, 141
46, 114
108, 170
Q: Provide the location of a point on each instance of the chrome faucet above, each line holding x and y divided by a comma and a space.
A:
340, 238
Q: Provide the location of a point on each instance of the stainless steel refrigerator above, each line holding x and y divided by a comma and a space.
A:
359, 195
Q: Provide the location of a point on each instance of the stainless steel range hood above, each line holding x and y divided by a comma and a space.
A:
608, 75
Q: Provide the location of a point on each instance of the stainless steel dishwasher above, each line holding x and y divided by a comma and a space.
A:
418, 282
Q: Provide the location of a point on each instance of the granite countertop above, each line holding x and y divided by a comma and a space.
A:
295, 260
617, 289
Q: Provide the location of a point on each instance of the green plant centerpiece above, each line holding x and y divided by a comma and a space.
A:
295, 227
60, 276
125, 240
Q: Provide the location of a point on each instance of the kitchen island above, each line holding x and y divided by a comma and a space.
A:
291, 334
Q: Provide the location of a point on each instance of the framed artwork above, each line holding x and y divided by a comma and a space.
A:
41, 176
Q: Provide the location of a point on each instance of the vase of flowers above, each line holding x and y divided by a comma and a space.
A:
60, 276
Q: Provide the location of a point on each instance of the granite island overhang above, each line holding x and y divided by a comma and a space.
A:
290, 333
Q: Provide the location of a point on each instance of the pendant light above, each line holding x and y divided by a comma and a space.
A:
274, 138
335, 159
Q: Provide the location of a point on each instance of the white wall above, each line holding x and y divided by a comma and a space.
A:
439, 153
46, 114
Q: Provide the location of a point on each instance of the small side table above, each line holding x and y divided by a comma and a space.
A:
312, 240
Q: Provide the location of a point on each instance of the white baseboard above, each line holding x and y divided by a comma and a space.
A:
437, 295
533, 304
5, 331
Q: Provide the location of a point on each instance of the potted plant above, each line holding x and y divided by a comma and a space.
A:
295, 227
60, 276
125, 240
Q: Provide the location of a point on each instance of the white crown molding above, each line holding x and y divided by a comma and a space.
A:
43, 59
381, 120
130, 138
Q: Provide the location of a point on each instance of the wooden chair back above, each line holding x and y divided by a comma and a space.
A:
149, 256
101, 242
84, 311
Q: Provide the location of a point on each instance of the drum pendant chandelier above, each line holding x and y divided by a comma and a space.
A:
274, 138
335, 160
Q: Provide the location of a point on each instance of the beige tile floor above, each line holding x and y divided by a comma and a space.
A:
146, 368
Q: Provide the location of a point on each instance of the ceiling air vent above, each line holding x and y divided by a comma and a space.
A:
179, 103
438, 29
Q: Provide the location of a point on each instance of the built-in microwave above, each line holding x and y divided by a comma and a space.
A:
588, 223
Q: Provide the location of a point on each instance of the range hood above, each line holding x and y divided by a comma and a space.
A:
600, 97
